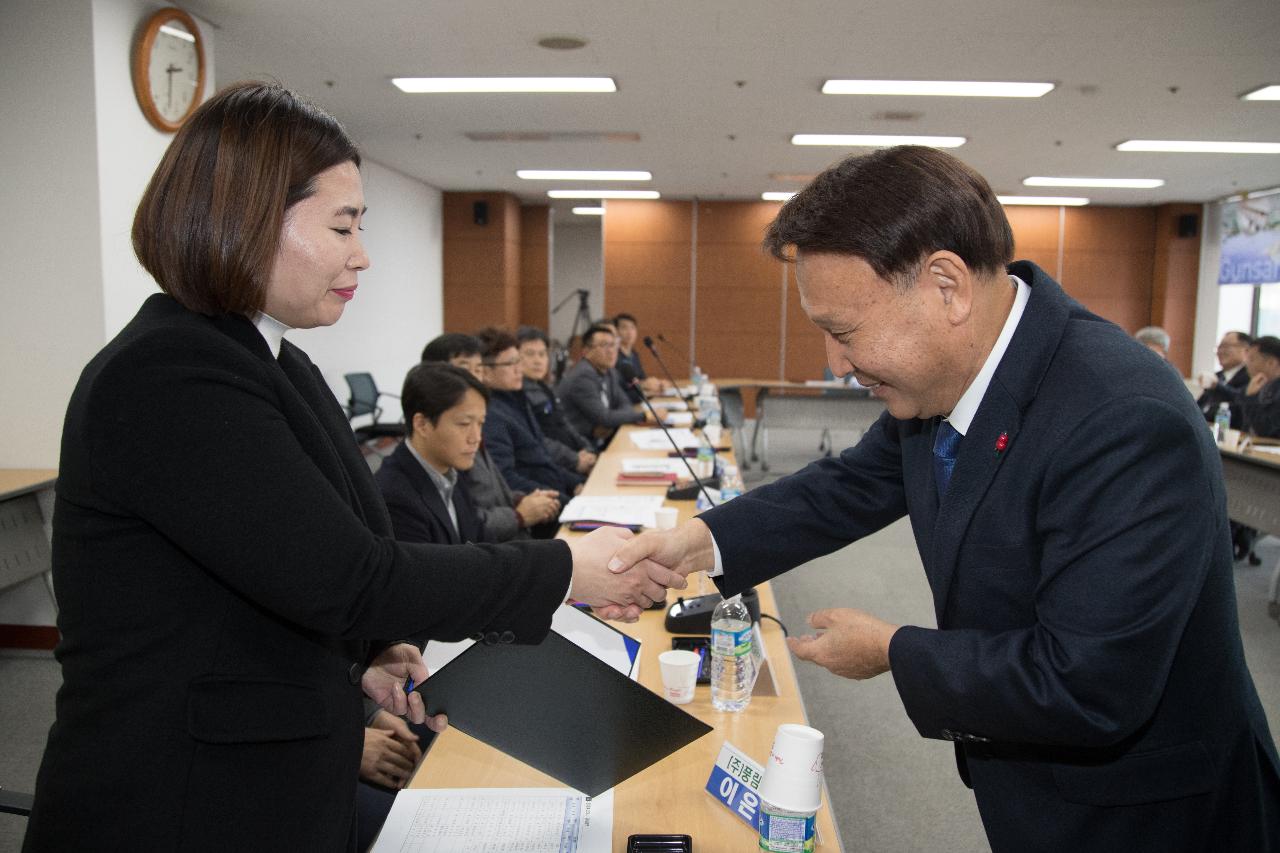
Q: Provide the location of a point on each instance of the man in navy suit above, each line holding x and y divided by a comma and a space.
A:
1087, 661
444, 412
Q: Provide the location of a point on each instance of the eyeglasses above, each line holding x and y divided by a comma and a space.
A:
515, 363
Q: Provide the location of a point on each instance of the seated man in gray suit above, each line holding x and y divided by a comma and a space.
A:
503, 513
593, 398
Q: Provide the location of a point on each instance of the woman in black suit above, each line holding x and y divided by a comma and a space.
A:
222, 558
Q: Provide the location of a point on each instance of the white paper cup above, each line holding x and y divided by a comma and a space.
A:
712, 432
793, 774
679, 675
665, 517
1231, 440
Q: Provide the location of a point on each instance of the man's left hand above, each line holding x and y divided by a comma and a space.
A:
384, 681
852, 644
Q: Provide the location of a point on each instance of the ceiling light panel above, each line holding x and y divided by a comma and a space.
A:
634, 194
1199, 146
1266, 93
869, 140
937, 88
1051, 200
581, 175
1106, 183
589, 211
520, 85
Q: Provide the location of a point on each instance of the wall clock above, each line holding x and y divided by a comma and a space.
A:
168, 68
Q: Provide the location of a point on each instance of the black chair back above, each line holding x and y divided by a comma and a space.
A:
364, 396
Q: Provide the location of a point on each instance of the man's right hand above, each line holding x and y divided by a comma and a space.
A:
685, 550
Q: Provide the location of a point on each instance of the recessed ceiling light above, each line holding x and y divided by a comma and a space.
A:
589, 211
776, 196
1199, 147
1266, 93
439, 85
870, 140
936, 88
581, 175
646, 194
1111, 183
1054, 200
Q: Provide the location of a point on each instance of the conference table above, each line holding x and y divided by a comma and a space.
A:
1252, 480
669, 796
26, 517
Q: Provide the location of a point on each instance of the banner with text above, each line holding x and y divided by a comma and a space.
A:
1251, 241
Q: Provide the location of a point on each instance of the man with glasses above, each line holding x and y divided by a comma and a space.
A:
511, 433
593, 399
1229, 383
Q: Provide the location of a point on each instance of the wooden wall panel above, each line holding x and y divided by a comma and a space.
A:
481, 262
739, 291
648, 269
535, 236
1175, 280
1035, 235
1107, 262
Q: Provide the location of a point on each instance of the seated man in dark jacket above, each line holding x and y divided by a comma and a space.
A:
1234, 375
511, 433
444, 412
594, 401
1260, 403
560, 436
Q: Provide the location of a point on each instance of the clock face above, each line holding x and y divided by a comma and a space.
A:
173, 70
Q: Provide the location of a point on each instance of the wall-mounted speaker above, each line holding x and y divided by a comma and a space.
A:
1188, 223
480, 213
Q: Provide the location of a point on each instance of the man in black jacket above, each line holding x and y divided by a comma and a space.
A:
593, 398
561, 436
444, 412
1234, 376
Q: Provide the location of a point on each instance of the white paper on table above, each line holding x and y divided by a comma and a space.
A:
654, 439
688, 390
650, 465
488, 820
675, 404
612, 509
680, 419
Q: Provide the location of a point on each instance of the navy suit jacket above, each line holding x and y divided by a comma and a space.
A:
515, 442
1087, 660
417, 512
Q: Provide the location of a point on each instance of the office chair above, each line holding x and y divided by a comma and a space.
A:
364, 401
15, 802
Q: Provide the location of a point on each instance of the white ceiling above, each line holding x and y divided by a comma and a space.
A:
716, 88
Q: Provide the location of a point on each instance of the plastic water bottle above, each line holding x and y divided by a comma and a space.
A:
1222, 421
730, 483
732, 667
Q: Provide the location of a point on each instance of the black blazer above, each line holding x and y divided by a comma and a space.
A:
1228, 392
417, 512
1087, 661
222, 558
516, 445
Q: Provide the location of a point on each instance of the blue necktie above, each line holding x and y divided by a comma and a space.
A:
946, 446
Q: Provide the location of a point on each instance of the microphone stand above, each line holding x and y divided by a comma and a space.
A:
634, 382
648, 344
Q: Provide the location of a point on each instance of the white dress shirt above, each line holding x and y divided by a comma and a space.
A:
272, 331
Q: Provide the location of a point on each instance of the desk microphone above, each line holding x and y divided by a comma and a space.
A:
648, 343
629, 378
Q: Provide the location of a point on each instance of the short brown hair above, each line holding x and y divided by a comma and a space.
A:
209, 223
893, 207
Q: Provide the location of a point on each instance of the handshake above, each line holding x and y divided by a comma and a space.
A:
620, 574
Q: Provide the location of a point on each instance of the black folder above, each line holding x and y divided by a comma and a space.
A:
559, 709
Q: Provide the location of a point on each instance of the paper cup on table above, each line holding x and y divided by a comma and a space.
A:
793, 773
712, 432
665, 517
1231, 440
679, 675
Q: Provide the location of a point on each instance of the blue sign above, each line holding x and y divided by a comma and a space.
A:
1250, 241
734, 781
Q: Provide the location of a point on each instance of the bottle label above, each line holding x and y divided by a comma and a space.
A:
736, 643
786, 832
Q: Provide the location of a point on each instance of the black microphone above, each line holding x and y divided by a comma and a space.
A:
648, 342
683, 357
628, 374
